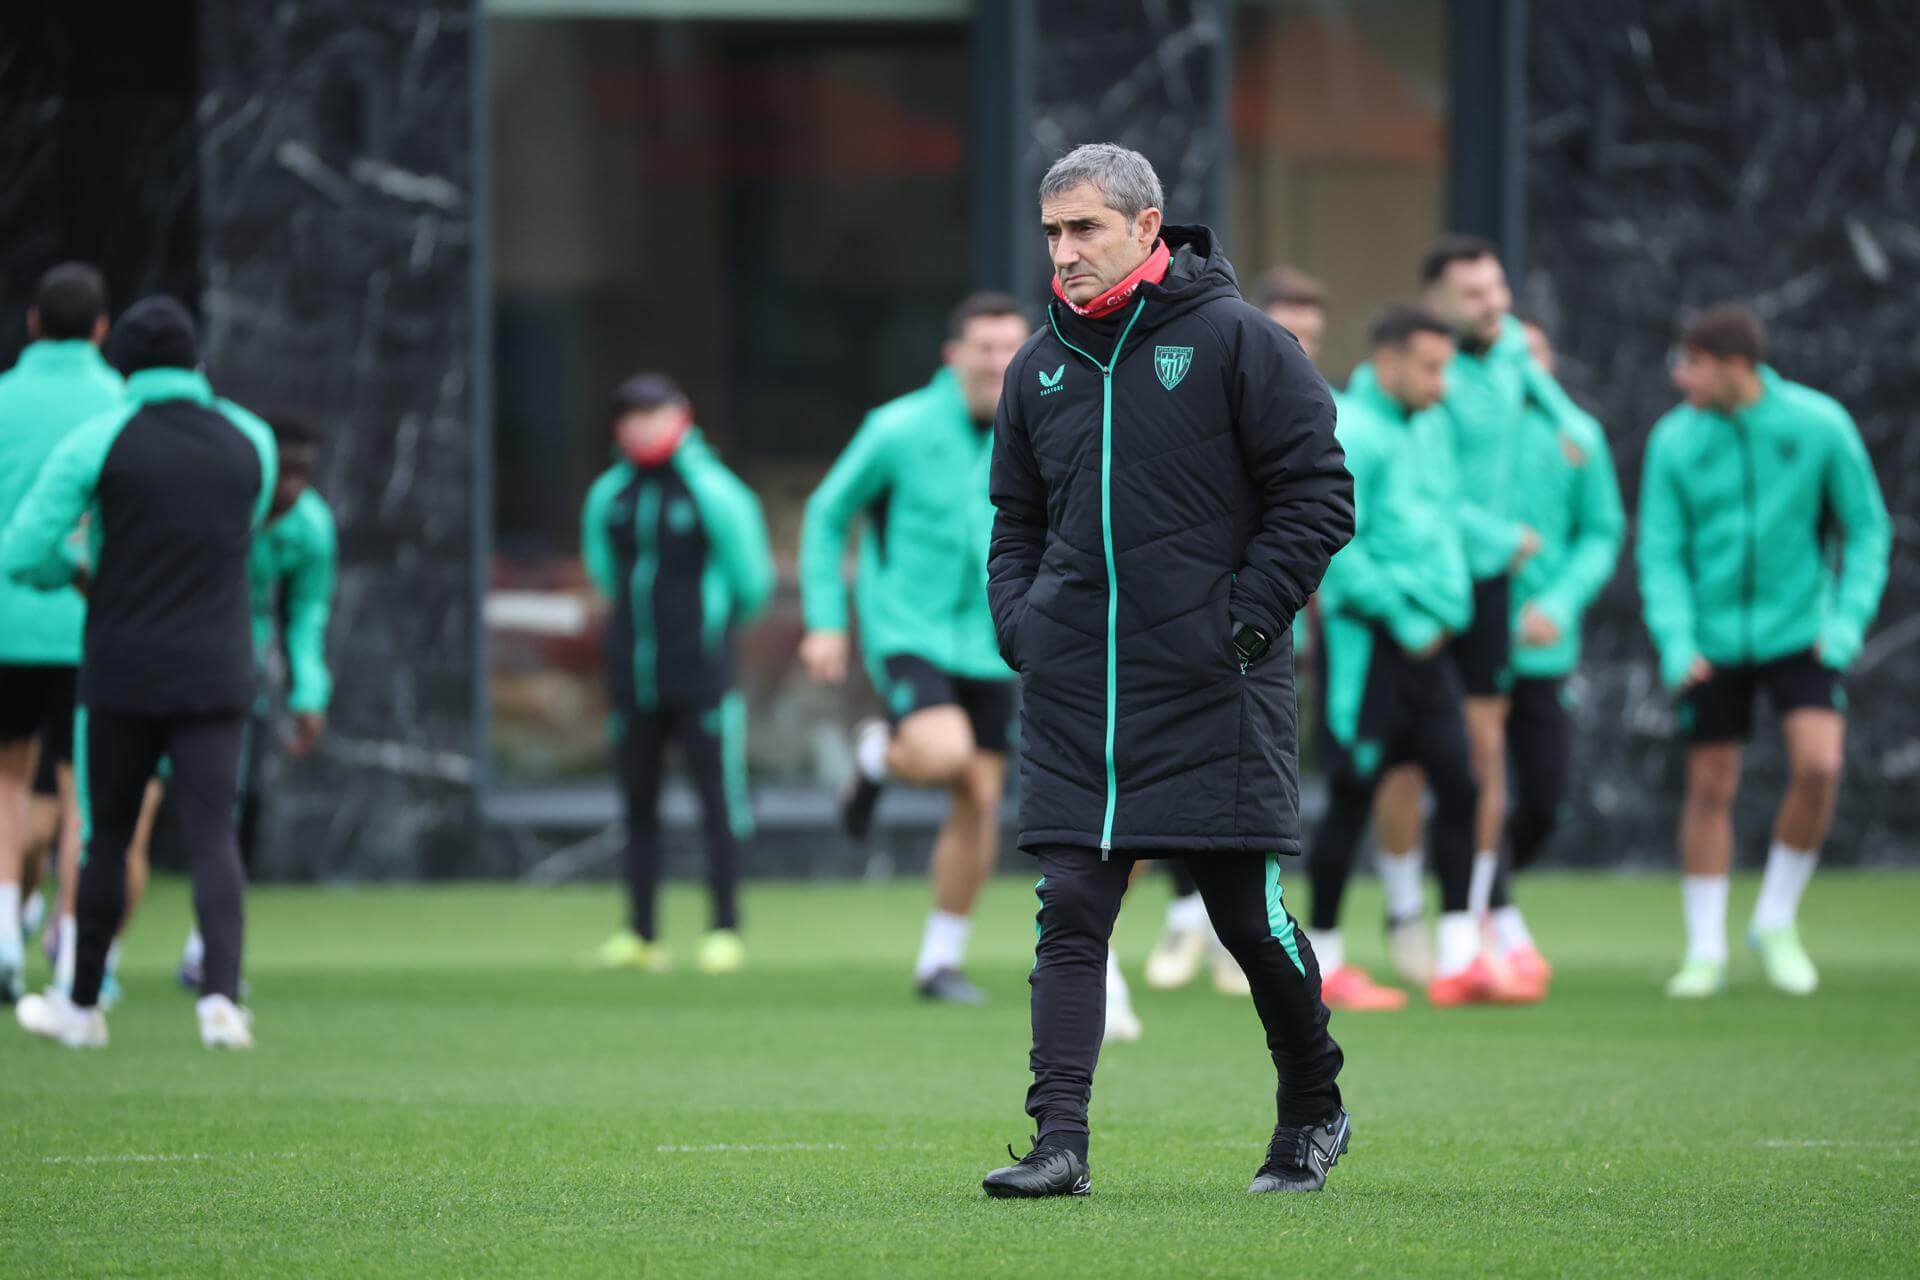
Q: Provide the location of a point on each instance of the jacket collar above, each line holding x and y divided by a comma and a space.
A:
149, 385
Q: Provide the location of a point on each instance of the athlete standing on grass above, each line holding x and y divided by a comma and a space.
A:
1168, 492
1751, 491
677, 545
917, 472
174, 485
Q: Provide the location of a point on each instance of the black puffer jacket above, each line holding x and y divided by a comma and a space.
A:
1158, 475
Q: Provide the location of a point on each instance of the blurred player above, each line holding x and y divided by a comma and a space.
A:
917, 472
175, 483
677, 545
59, 382
1750, 490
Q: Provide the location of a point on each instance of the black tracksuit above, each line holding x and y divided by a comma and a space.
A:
1159, 475
1540, 753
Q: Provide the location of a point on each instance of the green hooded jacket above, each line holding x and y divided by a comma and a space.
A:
1406, 568
55, 387
1486, 393
917, 470
290, 574
1736, 532
1565, 490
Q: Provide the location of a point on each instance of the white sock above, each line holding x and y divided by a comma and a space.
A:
33, 912
1458, 944
1511, 929
195, 952
1788, 871
1480, 888
1187, 914
1117, 993
63, 953
9, 919
1400, 880
870, 752
1329, 948
1705, 901
943, 945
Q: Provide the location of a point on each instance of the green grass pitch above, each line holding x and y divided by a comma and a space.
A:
440, 1091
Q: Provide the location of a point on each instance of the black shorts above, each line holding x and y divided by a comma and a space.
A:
1483, 653
914, 684
1412, 710
37, 702
1720, 709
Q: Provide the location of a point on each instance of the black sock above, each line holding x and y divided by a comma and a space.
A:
1072, 1140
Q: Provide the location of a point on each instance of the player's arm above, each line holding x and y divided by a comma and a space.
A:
1599, 527
260, 436
1019, 495
858, 477
1666, 592
1853, 492
35, 550
1284, 421
596, 545
308, 599
746, 556
1355, 582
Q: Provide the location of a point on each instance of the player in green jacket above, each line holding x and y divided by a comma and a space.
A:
1763, 545
1564, 489
916, 471
677, 545
60, 381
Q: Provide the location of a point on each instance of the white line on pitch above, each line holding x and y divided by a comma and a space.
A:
169, 1157
676, 1149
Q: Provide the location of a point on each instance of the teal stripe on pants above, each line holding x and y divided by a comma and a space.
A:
1278, 921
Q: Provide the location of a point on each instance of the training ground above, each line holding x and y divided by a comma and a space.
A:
441, 1090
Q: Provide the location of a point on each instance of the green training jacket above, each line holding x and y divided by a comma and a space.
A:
1737, 532
917, 470
290, 575
1564, 488
1406, 568
1486, 394
55, 387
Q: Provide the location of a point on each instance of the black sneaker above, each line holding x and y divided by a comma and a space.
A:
1043, 1171
950, 986
857, 801
1298, 1159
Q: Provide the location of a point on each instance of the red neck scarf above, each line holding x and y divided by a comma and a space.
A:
1152, 271
657, 453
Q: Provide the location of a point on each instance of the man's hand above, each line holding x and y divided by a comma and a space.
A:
824, 654
1698, 674
1537, 630
307, 728
1529, 547
82, 580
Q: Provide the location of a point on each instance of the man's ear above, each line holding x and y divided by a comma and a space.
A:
1150, 223
101, 327
33, 324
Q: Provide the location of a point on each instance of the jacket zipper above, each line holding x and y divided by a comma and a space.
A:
646, 568
1753, 546
1106, 541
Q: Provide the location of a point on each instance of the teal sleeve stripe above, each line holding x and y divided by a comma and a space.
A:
82, 793
733, 762
596, 548
1279, 923
32, 550
1038, 885
260, 436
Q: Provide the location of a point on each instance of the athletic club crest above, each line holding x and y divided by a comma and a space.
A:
1172, 363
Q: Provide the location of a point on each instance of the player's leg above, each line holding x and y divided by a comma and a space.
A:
1807, 697
1482, 655
1397, 827
1080, 893
17, 756
1714, 717
925, 742
1247, 906
1186, 936
1540, 750
938, 741
205, 754
714, 746
639, 757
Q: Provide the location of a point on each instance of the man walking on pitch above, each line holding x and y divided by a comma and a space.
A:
59, 382
916, 470
1168, 492
676, 543
174, 484
1749, 490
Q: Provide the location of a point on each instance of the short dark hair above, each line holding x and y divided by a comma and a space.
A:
1725, 331
70, 298
643, 393
1451, 248
289, 430
980, 305
1288, 287
1395, 324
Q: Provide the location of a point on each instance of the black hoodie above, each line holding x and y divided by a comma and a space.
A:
1159, 475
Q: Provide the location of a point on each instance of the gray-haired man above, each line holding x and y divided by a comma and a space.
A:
1168, 492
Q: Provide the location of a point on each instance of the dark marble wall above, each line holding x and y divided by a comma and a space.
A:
1683, 153
337, 166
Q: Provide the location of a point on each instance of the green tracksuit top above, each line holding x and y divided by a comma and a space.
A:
1406, 568
55, 387
1736, 535
1486, 392
290, 575
680, 550
1564, 490
917, 470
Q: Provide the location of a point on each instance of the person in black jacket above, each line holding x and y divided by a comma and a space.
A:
173, 485
1168, 491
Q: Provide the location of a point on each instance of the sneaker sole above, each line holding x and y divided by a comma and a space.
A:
1081, 1188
